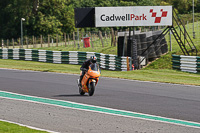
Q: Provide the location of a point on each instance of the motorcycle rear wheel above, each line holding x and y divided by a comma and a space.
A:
81, 91
80, 88
92, 88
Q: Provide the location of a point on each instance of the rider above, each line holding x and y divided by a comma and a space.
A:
85, 66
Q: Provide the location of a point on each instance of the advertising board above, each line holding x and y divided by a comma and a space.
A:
133, 16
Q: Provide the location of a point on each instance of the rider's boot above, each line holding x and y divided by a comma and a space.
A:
79, 80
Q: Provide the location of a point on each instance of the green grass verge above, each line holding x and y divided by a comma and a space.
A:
6, 127
157, 75
164, 62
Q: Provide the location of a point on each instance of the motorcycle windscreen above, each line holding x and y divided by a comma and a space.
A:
94, 66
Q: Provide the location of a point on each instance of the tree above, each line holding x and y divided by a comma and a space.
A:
11, 13
57, 16
183, 6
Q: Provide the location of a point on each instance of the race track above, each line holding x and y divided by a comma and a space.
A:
159, 99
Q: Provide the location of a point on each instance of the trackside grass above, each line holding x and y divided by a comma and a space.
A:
157, 75
6, 127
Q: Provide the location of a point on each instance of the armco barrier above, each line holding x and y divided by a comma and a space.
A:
186, 63
109, 62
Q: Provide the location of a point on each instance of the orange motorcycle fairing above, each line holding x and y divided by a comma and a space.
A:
84, 82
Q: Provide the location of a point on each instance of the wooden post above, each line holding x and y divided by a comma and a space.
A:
100, 37
48, 40
7, 43
19, 42
108, 35
2, 45
127, 62
51, 41
112, 37
33, 41
91, 39
83, 39
105, 35
13, 43
26, 42
68, 38
115, 38
140, 29
65, 39
74, 39
56, 40
41, 40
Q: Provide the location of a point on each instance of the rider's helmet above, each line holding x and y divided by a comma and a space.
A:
93, 59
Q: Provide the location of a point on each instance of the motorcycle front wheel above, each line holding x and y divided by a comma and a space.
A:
91, 88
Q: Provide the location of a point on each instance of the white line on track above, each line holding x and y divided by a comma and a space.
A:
104, 112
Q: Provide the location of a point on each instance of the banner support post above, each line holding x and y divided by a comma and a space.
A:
134, 50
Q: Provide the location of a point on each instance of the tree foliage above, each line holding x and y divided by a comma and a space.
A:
183, 6
45, 17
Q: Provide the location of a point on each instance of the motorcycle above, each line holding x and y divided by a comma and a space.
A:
90, 80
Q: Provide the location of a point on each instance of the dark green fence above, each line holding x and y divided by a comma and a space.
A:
186, 63
109, 62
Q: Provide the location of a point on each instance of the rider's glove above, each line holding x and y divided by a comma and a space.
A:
83, 69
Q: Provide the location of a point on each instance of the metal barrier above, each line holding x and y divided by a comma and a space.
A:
109, 62
186, 63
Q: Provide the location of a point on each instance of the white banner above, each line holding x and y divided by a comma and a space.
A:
133, 16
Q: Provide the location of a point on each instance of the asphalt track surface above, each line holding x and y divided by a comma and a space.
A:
160, 99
